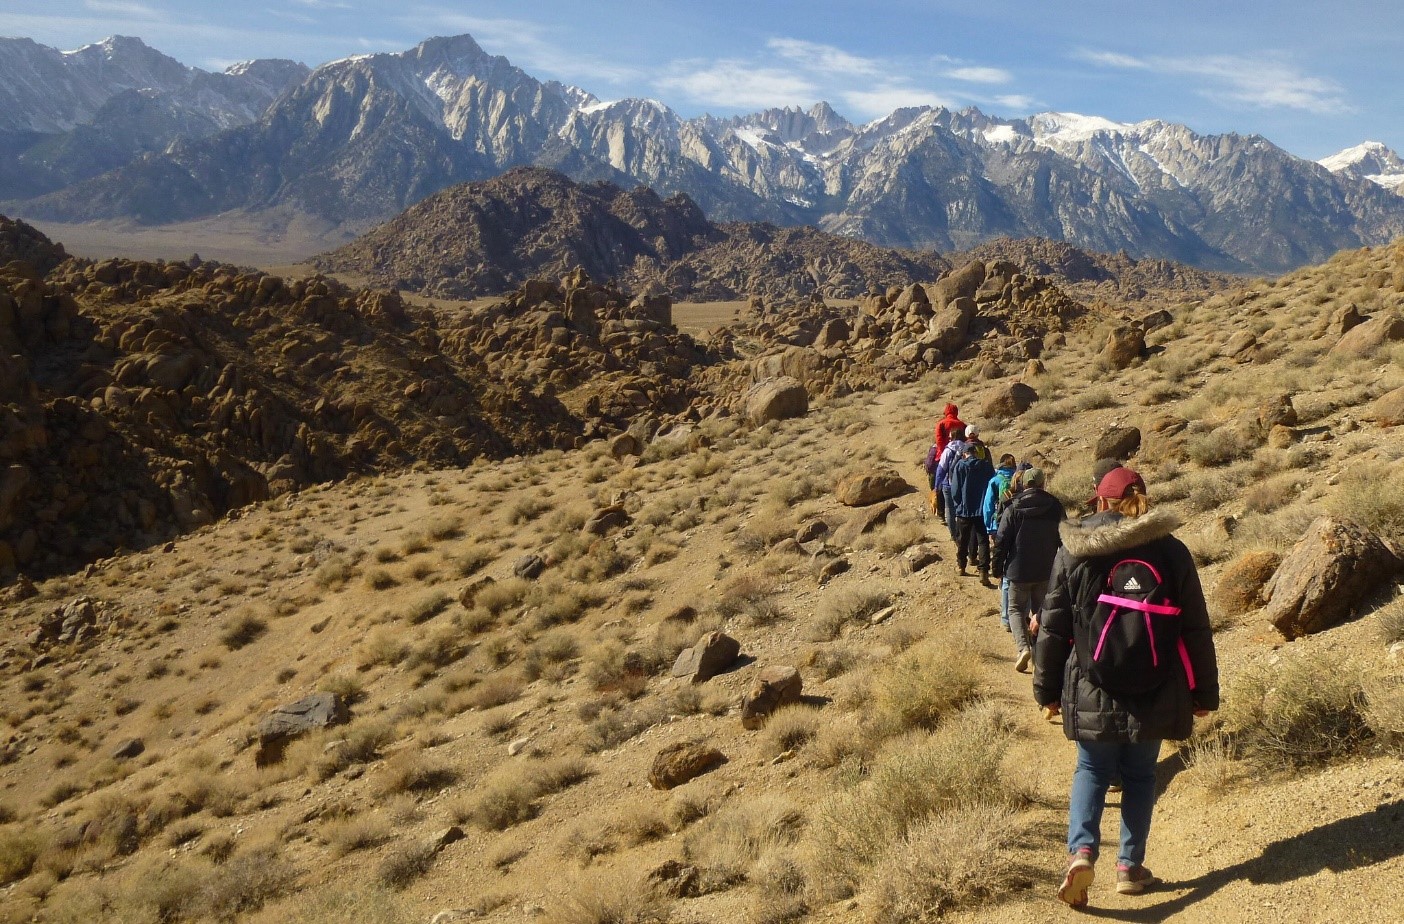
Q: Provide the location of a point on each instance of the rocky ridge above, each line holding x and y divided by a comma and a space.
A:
145, 399
359, 140
485, 238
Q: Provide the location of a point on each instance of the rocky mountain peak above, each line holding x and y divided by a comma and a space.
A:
1372, 161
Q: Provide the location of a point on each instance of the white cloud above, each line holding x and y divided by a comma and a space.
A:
1113, 59
980, 74
1260, 82
1018, 102
324, 4
732, 84
826, 58
121, 8
879, 101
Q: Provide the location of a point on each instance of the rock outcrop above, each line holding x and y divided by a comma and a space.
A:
1327, 576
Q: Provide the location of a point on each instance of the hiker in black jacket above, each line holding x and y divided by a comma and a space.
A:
1119, 733
1028, 539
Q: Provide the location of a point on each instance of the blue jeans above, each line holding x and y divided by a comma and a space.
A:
1098, 764
950, 514
1025, 601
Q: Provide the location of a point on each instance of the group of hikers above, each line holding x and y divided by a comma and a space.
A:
1107, 609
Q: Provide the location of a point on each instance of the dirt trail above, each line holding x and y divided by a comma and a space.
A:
1323, 847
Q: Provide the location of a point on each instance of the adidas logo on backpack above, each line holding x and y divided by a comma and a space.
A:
1131, 644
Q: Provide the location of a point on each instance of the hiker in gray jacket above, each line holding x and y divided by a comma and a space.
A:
1028, 538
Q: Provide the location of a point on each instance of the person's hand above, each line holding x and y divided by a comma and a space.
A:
1200, 713
1052, 711
1033, 626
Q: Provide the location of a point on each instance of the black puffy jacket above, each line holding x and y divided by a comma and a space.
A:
1028, 535
1091, 713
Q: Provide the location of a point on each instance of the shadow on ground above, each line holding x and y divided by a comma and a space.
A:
1350, 843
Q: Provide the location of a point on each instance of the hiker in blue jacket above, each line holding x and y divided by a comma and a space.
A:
969, 480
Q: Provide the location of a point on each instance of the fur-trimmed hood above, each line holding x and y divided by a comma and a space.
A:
1108, 532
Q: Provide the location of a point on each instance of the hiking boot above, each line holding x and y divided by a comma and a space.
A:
1021, 663
1133, 880
1078, 879
962, 572
985, 579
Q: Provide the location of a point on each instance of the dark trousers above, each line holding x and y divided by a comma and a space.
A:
972, 543
952, 521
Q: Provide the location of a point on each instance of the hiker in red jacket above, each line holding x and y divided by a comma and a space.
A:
946, 428
948, 422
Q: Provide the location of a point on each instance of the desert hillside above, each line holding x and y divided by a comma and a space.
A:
507, 729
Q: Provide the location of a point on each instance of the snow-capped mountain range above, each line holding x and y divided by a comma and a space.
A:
358, 140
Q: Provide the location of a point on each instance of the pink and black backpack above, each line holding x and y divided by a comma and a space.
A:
1131, 643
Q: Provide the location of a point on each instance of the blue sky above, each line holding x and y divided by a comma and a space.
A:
1312, 77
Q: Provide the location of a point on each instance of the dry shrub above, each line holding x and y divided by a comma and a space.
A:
241, 630
1269, 494
499, 595
843, 607
497, 690
405, 863
963, 856
1384, 710
959, 766
925, 683
614, 896
341, 905
1206, 490
347, 835
730, 841
1299, 711
749, 594
828, 663
509, 796
616, 723
896, 535
1212, 762
1391, 619
425, 607
412, 771
1072, 483
791, 727
19, 849
1365, 495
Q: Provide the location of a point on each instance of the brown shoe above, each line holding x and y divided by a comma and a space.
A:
1078, 879
1133, 880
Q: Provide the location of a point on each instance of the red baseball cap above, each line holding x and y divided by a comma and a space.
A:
1116, 483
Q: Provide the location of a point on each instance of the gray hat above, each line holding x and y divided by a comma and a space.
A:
1033, 478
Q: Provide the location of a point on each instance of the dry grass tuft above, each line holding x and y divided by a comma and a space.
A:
929, 681
960, 857
1299, 711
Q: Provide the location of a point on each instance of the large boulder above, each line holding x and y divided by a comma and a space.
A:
1328, 574
293, 720
775, 686
1275, 411
713, 654
862, 522
1367, 338
776, 399
863, 488
949, 329
961, 283
1388, 409
1119, 443
1124, 346
1008, 401
681, 761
